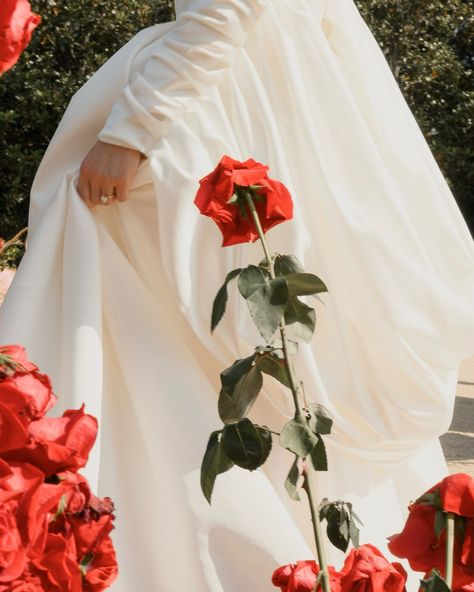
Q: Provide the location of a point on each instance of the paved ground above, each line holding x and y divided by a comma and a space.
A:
458, 443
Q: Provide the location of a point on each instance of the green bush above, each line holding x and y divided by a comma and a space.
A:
428, 44
74, 38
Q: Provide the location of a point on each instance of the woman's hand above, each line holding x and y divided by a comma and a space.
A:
107, 169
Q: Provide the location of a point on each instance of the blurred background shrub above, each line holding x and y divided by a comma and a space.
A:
429, 46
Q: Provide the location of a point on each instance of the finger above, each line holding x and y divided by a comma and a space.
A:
83, 190
108, 189
122, 189
95, 193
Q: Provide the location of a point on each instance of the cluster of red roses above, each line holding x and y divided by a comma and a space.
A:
365, 570
54, 532
17, 23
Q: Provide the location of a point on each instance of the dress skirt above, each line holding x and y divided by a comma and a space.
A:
114, 303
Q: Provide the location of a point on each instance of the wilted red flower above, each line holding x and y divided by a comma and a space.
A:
17, 23
23, 388
218, 187
367, 570
301, 577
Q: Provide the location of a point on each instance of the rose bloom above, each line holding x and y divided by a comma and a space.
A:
418, 542
24, 510
367, 570
17, 22
79, 552
301, 577
24, 389
218, 187
57, 443
84, 525
27, 583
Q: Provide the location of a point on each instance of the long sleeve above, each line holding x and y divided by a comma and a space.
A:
186, 61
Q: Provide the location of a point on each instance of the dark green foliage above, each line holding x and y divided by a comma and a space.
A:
74, 38
429, 45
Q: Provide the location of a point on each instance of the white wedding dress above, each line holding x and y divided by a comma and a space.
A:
114, 303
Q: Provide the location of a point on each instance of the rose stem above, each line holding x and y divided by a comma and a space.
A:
294, 390
449, 548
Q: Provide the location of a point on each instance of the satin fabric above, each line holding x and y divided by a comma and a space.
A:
114, 303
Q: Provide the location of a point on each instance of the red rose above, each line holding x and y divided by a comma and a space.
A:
17, 22
24, 508
217, 188
95, 552
467, 552
86, 542
301, 577
418, 542
58, 443
13, 432
57, 566
367, 570
87, 520
27, 583
25, 390
457, 494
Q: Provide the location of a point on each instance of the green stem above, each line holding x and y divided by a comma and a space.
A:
308, 487
449, 548
271, 269
295, 392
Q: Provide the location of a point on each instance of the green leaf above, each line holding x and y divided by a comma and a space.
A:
249, 280
286, 264
336, 529
220, 301
341, 527
231, 375
353, 532
300, 319
246, 444
430, 499
319, 421
324, 506
440, 522
297, 437
274, 366
215, 461
435, 583
234, 405
292, 480
318, 456
267, 304
305, 284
